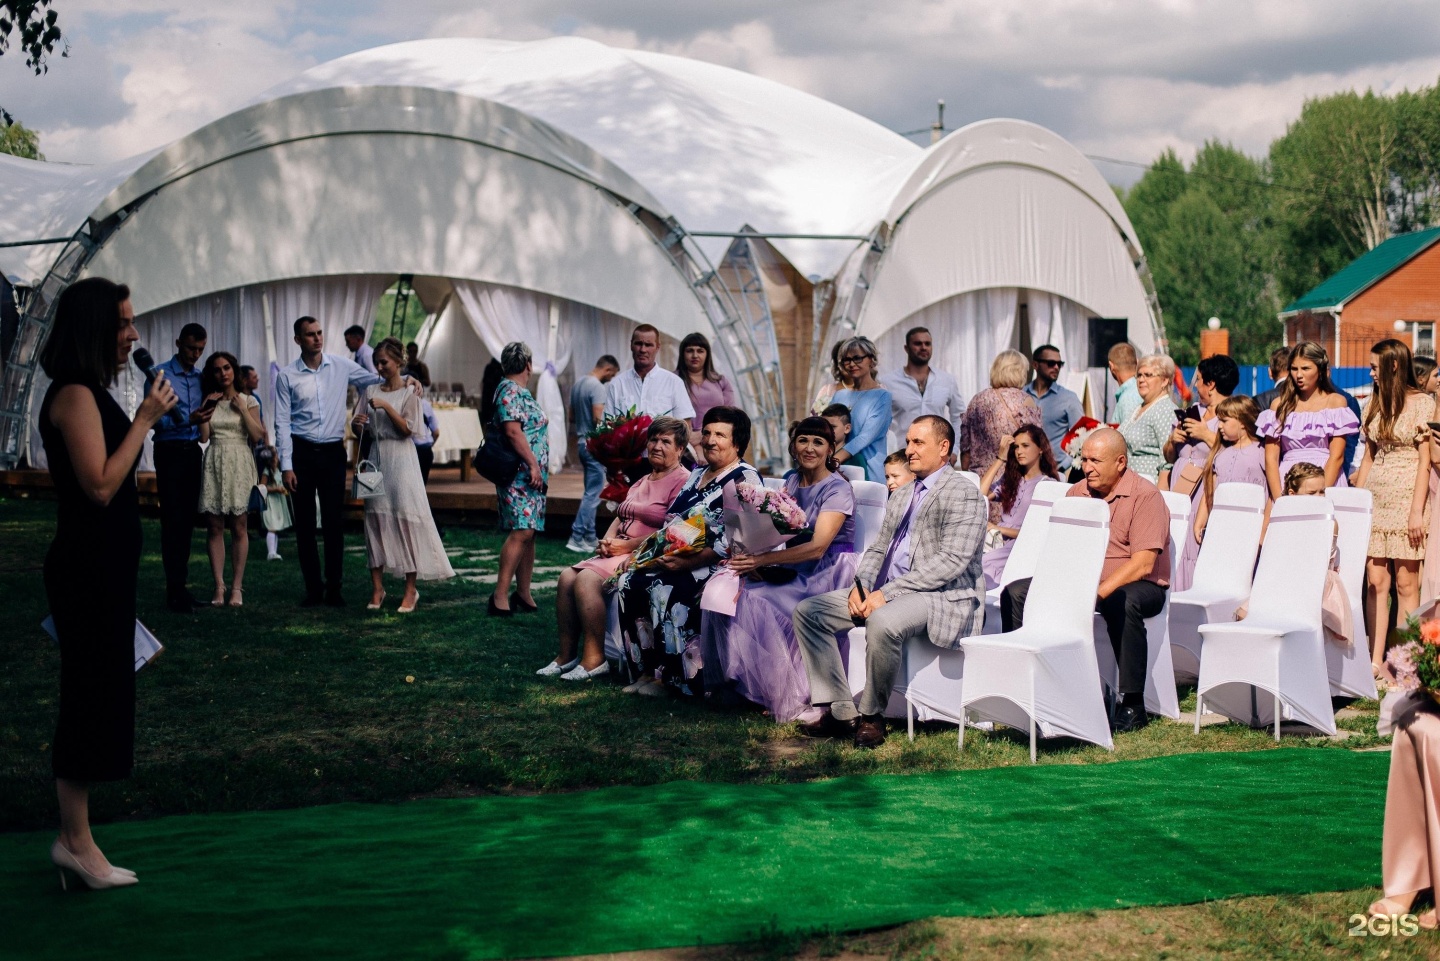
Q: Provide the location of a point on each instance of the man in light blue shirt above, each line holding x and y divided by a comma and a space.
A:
1124, 365
310, 416
1060, 408
177, 464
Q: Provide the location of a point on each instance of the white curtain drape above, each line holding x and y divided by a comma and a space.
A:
968, 331
499, 315
1062, 322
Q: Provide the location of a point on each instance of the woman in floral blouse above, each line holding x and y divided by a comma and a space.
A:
512, 410
660, 604
1147, 430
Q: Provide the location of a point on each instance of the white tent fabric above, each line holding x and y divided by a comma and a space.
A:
968, 331
500, 315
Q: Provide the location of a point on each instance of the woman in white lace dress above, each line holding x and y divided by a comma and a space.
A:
400, 534
227, 474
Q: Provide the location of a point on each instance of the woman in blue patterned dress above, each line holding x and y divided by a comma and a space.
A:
522, 503
660, 604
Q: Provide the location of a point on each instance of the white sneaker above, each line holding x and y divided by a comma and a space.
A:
555, 668
580, 547
580, 674
273, 557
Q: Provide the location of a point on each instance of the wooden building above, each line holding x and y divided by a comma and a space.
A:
1398, 281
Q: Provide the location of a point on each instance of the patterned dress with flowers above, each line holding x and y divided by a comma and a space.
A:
522, 505
1392, 482
660, 609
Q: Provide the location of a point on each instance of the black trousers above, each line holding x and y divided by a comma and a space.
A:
177, 480
319, 469
426, 453
1124, 613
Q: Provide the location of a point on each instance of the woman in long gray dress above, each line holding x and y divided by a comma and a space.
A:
400, 534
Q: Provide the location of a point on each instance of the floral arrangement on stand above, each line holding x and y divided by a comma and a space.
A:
618, 442
1415, 661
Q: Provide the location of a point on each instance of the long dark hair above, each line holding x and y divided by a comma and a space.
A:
708, 372
489, 383
210, 383
81, 347
1014, 473
1289, 396
1394, 383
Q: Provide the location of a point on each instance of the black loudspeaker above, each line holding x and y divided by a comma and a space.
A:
1106, 332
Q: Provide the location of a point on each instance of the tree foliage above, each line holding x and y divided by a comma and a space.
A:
20, 141
36, 26
1239, 237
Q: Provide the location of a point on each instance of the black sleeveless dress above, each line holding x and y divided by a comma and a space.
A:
90, 577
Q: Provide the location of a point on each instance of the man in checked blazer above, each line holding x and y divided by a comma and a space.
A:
921, 577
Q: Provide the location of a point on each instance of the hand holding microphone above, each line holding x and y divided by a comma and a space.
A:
160, 397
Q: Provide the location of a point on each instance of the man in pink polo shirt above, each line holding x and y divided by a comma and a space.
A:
1137, 566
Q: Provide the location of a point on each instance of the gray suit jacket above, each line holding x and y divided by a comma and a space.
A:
945, 543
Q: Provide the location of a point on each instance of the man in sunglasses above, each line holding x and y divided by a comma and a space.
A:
1060, 409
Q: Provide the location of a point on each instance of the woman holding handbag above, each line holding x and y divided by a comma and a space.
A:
511, 412
400, 534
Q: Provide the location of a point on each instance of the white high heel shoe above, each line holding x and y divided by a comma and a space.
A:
61, 857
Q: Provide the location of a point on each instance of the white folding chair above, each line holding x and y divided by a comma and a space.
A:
972, 477
1223, 572
1349, 671
852, 473
1042, 676
774, 483
1160, 695
614, 640
1277, 649
1026, 550
870, 498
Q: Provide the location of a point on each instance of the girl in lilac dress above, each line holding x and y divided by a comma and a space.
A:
1240, 459
1025, 460
758, 646
1308, 422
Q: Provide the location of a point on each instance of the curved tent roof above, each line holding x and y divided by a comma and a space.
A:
1006, 203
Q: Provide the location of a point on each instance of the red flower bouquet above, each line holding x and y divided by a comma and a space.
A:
1416, 660
1073, 441
618, 442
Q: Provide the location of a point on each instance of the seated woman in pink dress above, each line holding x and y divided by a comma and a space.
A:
1239, 459
580, 597
1308, 422
1025, 460
757, 646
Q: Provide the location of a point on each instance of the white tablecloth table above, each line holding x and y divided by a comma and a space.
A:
460, 434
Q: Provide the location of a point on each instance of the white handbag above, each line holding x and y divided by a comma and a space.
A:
368, 481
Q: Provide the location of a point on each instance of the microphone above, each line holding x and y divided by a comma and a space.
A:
146, 363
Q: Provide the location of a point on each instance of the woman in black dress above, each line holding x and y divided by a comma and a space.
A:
91, 569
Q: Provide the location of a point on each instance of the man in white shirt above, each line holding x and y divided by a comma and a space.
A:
310, 413
647, 388
362, 353
918, 389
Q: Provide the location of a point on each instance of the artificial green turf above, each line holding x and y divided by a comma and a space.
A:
686, 863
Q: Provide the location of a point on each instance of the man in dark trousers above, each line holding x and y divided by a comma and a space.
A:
177, 465
310, 413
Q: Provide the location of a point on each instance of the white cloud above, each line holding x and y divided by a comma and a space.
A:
1122, 78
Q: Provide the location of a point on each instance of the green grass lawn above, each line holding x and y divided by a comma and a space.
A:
271, 706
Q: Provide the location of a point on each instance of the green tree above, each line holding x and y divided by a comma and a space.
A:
19, 140
37, 27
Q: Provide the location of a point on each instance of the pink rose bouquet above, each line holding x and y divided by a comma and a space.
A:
1416, 660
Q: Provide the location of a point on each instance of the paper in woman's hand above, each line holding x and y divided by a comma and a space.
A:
147, 646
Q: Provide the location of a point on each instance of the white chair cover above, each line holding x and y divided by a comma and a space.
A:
1271, 665
1042, 676
972, 477
870, 499
1350, 672
1026, 550
1222, 573
1160, 695
852, 473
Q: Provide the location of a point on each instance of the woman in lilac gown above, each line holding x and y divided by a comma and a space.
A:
1025, 460
758, 645
1309, 421
1240, 459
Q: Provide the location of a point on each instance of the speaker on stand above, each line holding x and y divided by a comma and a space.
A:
1106, 332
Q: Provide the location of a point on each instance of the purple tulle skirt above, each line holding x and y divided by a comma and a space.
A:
757, 646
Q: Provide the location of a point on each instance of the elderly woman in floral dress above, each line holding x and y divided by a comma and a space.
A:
660, 603
513, 410
1147, 430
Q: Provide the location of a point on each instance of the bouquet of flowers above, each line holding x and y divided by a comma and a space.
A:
1416, 660
759, 519
1073, 441
618, 442
680, 536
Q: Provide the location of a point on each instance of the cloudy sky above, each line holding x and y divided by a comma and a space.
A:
1119, 78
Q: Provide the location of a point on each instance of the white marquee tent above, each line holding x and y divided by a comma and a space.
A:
549, 191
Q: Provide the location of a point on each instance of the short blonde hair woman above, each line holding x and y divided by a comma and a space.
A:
997, 412
1146, 430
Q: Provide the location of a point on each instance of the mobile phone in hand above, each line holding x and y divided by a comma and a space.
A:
860, 588
210, 403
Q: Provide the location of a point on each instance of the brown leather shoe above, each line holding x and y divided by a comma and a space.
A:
828, 726
870, 732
